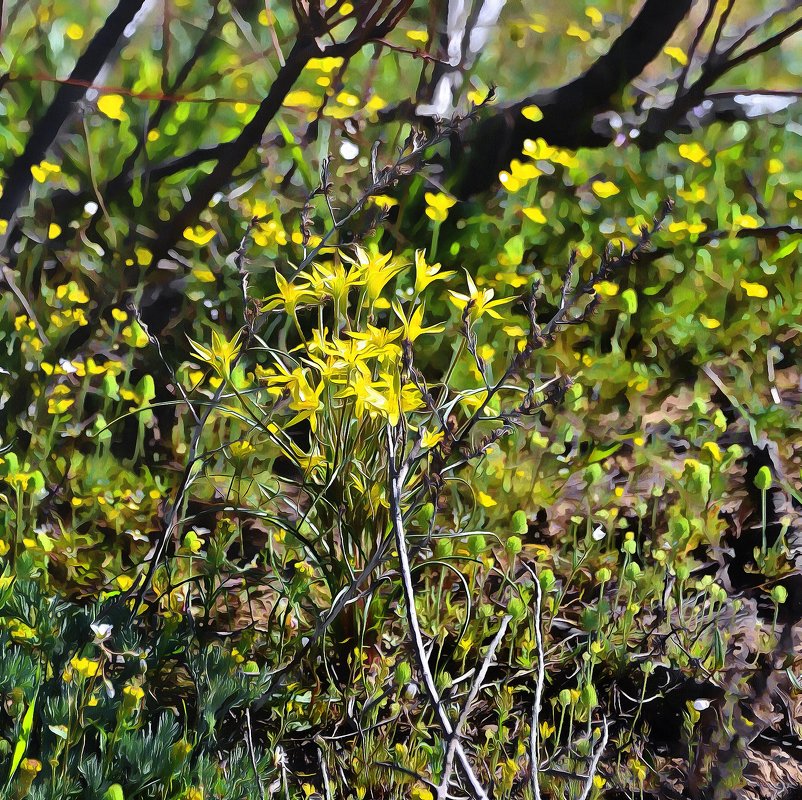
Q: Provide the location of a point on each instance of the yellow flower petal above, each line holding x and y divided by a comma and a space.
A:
754, 289
606, 288
112, 106
485, 500
693, 152
604, 189
535, 214
677, 53
532, 113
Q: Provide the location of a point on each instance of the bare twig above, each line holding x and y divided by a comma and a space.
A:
397, 476
448, 768
534, 733
594, 762
252, 754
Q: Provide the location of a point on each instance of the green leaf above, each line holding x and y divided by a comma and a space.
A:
21, 744
600, 453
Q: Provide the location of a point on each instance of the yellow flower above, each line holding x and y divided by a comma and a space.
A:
422, 37
713, 449
577, 32
535, 214
746, 221
290, 295
53, 231
304, 398
384, 201
241, 449
85, 667
437, 205
333, 280
754, 289
300, 98
481, 301
327, 64
376, 269
199, 235
604, 189
413, 326
304, 568
56, 407
428, 273
220, 355
43, 170
594, 15
132, 697
112, 106
606, 288
379, 342
430, 439
485, 500
709, 322
269, 232
532, 113
693, 152
421, 793
143, 256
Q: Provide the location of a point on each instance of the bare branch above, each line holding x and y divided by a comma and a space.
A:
397, 476
534, 733
594, 763
18, 178
442, 791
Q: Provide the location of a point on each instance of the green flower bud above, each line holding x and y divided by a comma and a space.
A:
630, 546
519, 524
403, 674
630, 300
632, 572
589, 697
114, 792
565, 698
192, 542
763, 479
513, 545
603, 575
779, 594
683, 572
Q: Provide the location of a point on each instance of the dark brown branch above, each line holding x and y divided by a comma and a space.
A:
18, 179
568, 111
662, 120
381, 19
